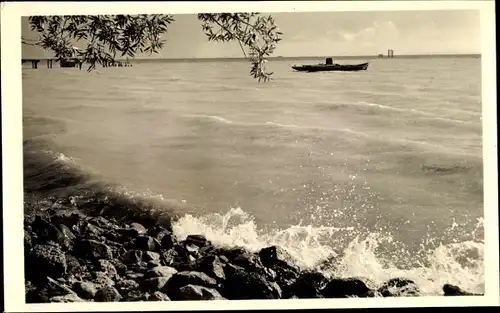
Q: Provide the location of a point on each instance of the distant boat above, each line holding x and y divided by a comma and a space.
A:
329, 66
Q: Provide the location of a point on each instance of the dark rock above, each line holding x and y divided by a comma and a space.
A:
192, 249
345, 287
86, 230
210, 265
101, 222
66, 298
208, 251
107, 294
173, 258
223, 259
158, 296
121, 268
150, 256
46, 260
154, 284
452, 290
167, 241
135, 295
243, 284
282, 263
137, 229
132, 256
160, 271
135, 276
92, 249
193, 292
146, 243
197, 240
189, 278
46, 231
308, 285
85, 290
108, 268
126, 286
398, 287
100, 279
48, 289
140, 267
153, 264
28, 243
67, 217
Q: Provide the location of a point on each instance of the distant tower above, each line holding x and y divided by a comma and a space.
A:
390, 53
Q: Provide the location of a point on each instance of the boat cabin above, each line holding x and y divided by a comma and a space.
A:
329, 61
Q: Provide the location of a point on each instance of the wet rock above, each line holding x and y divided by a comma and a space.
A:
108, 268
136, 229
101, 222
135, 295
154, 284
85, 290
66, 298
190, 278
107, 294
147, 243
140, 267
150, 256
46, 260
158, 296
452, 290
399, 287
282, 264
308, 285
192, 249
134, 276
67, 217
28, 243
194, 292
167, 241
160, 271
345, 287
126, 286
243, 284
100, 279
48, 288
132, 256
46, 231
197, 240
210, 265
86, 230
223, 259
93, 249
121, 268
172, 258
153, 264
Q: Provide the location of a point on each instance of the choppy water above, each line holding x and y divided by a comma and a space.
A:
382, 168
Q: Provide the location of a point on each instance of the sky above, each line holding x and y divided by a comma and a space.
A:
331, 33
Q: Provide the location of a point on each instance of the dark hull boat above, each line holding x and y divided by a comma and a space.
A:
329, 66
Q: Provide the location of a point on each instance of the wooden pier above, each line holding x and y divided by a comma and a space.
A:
73, 63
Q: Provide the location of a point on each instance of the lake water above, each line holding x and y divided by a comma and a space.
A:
382, 168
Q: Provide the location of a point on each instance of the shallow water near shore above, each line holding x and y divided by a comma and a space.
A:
380, 172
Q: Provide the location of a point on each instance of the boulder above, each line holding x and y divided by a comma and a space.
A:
194, 292
108, 268
132, 256
181, 279
88, 231
134, 276
107, 294
46, 260
48, 288
197, 240
66, 298
308, 285
399, 287
154, 284
167, 241
150, 256
93, 249
67, 217
121, 268
345, 287
210, 265
244, 284
100, 279
85, 289
126, 286
158, 296
452, 290
160, 271
146, 243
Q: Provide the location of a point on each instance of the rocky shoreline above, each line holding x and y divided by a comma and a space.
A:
72, 256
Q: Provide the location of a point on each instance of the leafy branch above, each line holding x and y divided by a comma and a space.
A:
107, 36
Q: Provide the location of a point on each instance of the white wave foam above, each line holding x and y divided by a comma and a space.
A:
457, 263
213, 118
